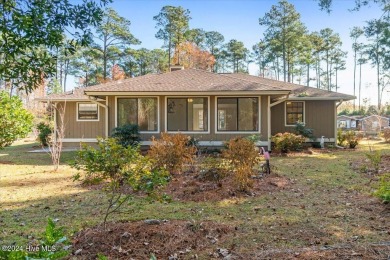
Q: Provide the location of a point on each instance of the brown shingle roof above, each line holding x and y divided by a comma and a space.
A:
189, 80
297, 91
192, 80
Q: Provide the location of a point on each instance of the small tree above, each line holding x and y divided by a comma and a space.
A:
55, 140
15, 121
118, 166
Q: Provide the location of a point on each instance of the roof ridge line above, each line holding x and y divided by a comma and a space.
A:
230, 75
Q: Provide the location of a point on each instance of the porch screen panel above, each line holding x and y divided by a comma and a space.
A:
248, 114
187, 114
238, 114
139, 111
227, 114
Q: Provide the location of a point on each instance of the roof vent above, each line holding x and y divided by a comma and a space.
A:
176, 67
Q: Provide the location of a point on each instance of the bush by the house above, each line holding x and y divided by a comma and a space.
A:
172, 152
352, 138
383, 191
127, 135
386, 134
45, 130
300, 129
118, 166
15, 121
285, 142
243, 156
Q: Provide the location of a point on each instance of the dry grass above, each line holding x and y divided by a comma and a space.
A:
327, 203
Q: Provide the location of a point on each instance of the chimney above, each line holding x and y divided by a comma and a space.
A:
176, 67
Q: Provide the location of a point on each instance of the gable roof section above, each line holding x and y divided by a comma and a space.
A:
297, 91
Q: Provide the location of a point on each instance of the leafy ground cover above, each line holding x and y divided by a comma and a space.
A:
314, 205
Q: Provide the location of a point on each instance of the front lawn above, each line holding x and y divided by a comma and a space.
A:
323, 209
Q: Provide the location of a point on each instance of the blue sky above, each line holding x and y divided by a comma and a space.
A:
239, 20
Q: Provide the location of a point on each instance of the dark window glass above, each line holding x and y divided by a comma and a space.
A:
238, 114
139, 111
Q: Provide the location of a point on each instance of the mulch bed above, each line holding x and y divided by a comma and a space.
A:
139, 240
190, 187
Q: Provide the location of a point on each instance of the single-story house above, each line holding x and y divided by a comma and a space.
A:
374, 123
208, 106
347, 122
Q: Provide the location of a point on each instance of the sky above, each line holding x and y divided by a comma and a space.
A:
240, 20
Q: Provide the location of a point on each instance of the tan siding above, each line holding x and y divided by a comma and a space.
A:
81, 129
319, 115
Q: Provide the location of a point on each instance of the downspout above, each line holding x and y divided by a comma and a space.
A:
105, 106
269, 116
335, 123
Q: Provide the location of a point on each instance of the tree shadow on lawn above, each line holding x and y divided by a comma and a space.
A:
19, 154
287, 219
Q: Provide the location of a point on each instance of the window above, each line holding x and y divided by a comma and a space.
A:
294, 113
87, 112
238, 114
342, 124
187, 114
138, 111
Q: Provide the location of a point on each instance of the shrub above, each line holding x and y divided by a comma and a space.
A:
287, 142
172, 152
300, 129
45, 130
352, 138
375, 158
15, 121
386, 134
341, 138
243, 156
127, 135
50, 247
383, 190
119, 166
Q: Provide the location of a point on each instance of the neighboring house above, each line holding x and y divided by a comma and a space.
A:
211, 107
374, 123
347, 122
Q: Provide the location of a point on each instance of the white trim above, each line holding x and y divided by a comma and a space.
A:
77, 140
279, 101
285, 112
236, 132
320, 98
158, 112
87, 120
269, 122
187, 132
243, 93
